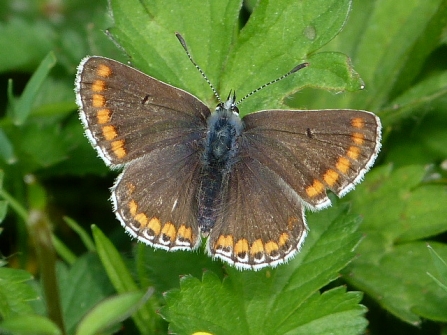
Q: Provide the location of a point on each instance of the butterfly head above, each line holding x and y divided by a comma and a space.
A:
229, 106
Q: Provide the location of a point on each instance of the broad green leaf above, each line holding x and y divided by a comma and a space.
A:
285, 300
390, 57
152, 270
399, 209
278, 36
29, 325
390, 43
230, 58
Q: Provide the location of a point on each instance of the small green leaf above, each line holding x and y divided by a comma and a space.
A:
111, 312
6, 148
416, 98
82, 286
85, 237
145, 319
63, 251
441, 267
29, 325
3, 209
113, 263
15, 293
22, 107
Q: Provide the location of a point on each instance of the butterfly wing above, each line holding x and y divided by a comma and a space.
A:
287, 160
154, 197
156, 131
313, 151
127, 114
261, 221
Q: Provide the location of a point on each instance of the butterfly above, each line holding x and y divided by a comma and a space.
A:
191, 173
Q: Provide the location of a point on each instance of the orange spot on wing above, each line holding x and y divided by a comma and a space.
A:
358, 122
155, 225
283, 239
103, 116
315, 189
330, 177
142, 219
169, 231
98, 100
257, 247
118, 148
241, 246
358, 138
353, 152
224, 241
185, 233
271, 247
98, 85
133, 207
103, 71
343, 165
109, 132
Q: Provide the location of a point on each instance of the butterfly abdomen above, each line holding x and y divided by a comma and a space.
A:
218, 158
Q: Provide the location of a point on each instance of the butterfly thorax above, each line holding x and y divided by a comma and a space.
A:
219, 155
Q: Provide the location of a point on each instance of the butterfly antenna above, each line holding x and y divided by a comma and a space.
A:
183, 43
295, 69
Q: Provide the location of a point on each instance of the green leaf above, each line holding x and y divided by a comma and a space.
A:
145, 318
29, 325
389, 57
390, 43
289, 293
82, 233
15, 293
3, 210
22, 107
278, 36
62, 250
399, 209
110, 312
17, 35
152, 270
208, 27
441, 267
417, 98
113, 263
421, 140
82, 286
6, 148
40, 145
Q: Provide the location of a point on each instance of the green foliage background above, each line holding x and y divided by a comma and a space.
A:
374, 262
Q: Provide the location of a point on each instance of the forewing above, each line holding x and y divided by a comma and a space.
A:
154, 197
127, 114
312, 151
